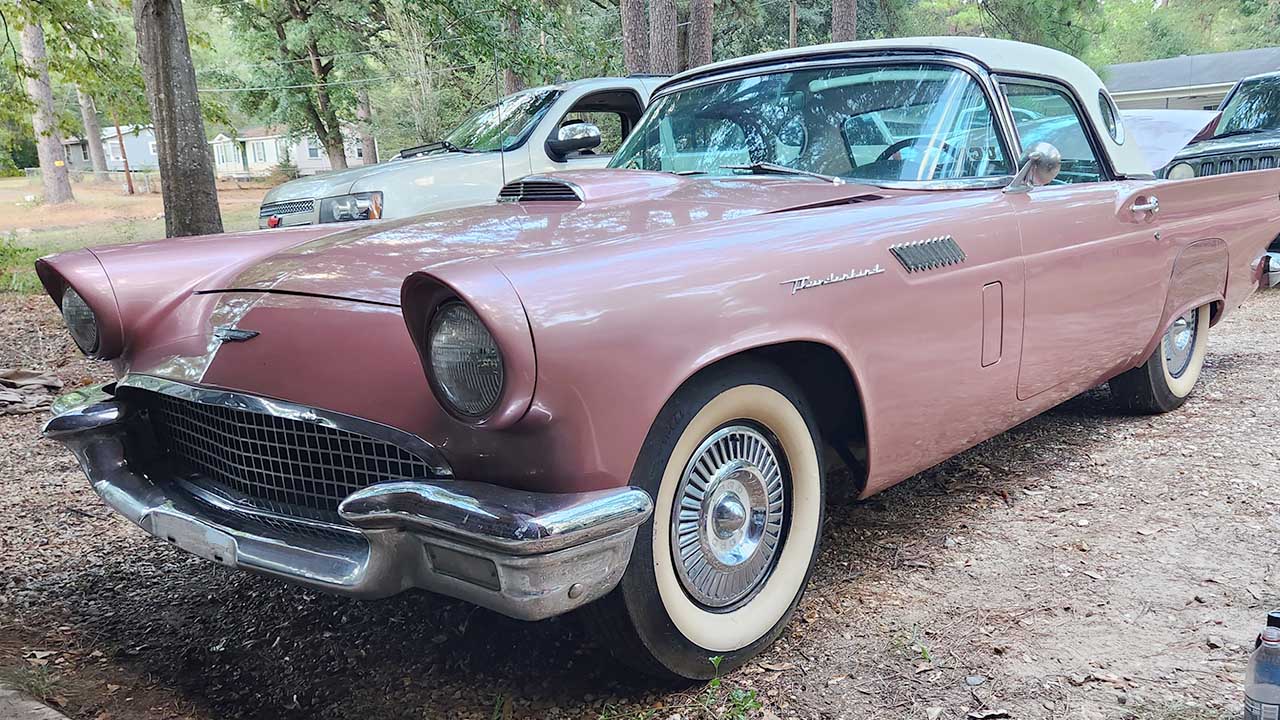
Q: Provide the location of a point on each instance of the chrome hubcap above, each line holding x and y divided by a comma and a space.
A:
1179, 343
728, 516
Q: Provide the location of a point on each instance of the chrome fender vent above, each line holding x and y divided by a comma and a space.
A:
931, 254
539, 190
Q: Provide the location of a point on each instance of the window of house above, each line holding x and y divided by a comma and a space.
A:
113, 149
84, 152
259, 150
360, 151
1045, 113
151, 146
313, 150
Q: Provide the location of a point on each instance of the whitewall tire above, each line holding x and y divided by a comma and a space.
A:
734, 464
1170, 374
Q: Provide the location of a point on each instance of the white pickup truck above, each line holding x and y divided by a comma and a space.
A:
569, 126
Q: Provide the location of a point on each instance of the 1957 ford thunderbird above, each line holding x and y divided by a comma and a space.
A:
617, 389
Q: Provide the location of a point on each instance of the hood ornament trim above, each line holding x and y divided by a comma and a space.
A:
231, 333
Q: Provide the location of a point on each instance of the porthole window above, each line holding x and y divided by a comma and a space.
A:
1111, 117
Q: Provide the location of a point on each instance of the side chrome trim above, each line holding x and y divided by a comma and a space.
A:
293, 411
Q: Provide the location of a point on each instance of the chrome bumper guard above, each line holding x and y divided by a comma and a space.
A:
523, 554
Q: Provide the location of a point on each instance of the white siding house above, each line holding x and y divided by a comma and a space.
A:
139, 144
256, 151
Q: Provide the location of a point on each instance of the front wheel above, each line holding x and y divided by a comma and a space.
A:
733, 463
1166, 379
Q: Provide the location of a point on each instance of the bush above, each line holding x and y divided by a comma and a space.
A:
284, 172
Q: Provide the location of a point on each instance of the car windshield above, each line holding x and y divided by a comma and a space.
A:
504, 125
1254, 106
878, 123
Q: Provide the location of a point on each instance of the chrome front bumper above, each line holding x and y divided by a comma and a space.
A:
526, 555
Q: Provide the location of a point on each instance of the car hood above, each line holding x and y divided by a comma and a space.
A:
340, 182
1267, 140
369, 262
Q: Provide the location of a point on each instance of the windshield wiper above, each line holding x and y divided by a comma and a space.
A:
1239, 131
437, 145
764, 168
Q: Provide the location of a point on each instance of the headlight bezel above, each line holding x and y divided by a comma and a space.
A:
351, 206
449, 397
1183, 164
76, 312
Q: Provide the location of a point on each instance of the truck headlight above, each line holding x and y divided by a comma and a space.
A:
1181, 171
466, 366
344, 208
81, 322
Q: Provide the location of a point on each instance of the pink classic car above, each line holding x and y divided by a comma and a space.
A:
619, 389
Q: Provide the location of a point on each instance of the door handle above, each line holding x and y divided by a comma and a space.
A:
1151, 206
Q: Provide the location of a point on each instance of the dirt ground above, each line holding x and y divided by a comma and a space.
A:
1083, 565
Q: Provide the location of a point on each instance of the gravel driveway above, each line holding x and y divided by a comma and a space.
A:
1082, 565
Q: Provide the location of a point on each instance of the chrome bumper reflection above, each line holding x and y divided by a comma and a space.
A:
1271, 270
526, 555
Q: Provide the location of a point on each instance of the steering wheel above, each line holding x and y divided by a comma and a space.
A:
904, 143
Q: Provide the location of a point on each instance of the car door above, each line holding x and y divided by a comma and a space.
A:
614, 110
1095, 263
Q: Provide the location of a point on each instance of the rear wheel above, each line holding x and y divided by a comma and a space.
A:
733, 464
1166, 379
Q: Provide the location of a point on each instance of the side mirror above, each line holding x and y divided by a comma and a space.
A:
1040, 165
573, 138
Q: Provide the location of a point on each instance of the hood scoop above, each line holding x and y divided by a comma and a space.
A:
539, 189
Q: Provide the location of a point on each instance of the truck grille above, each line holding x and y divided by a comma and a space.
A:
288, 207
285, 464
1235, 163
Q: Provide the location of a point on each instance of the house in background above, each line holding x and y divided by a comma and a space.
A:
139, 144
1187, 82
256, 151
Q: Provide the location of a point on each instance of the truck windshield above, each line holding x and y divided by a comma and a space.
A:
504, 125
1254, 107
874, 123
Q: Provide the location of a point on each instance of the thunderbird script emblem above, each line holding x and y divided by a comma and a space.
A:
227, 333
807, 282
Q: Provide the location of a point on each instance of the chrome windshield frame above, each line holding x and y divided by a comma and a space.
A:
1000, 113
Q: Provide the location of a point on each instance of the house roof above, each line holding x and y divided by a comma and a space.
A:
109, 133
1191, 70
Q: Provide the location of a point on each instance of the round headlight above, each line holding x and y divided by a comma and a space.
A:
1181, 171
81, 321
465, 363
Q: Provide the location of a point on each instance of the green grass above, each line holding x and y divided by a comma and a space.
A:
38, 682
18, 252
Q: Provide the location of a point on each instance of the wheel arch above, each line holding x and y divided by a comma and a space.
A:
826, 377
1198, 277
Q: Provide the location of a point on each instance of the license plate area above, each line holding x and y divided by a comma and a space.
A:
194, 537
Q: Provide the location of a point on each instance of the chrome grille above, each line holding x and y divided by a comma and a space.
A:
1234, 163
287, 207
281, 462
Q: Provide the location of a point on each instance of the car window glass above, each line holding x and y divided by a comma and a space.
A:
890, 122
1044, 113
1253, 107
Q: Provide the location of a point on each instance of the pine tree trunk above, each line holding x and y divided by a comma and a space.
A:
511, 80
92, 134
186, 163
664, 47
793, 25
364, 113
701, 17
53, 156
635, 36
844, 20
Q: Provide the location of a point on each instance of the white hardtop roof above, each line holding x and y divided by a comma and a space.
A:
999, 56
